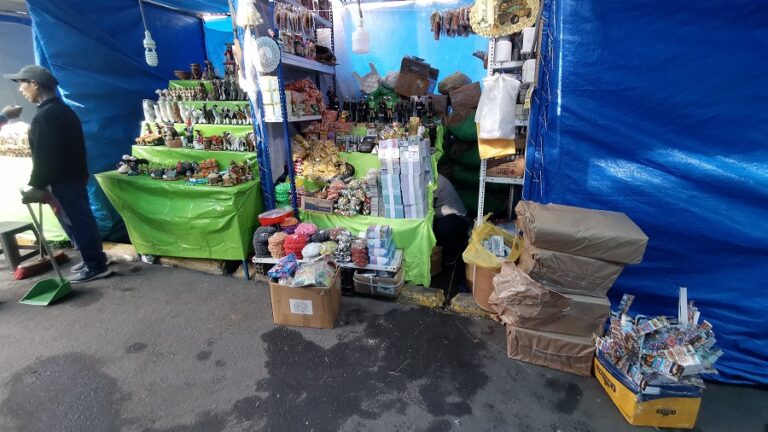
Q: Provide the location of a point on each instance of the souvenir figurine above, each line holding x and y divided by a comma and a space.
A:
198, 143
218, 117
361, 110
382, 111
177, 118
371, 112
388, 104
149, 110
209, 73
170, 175
347, 106
430, 109
419, 107
195, 71
311, 50
353, 111
203, 91
209, 118
333, 100
190, 134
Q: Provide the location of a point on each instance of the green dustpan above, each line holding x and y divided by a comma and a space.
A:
46, 291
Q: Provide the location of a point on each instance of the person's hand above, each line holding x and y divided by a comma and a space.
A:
34, 196
11, 112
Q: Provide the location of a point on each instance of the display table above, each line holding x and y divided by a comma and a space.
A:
171, 218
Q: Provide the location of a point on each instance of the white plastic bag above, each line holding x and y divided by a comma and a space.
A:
496, 111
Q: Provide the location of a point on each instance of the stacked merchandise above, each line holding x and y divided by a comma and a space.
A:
650, 367
555, 300
381, 246
406, 169
283, 195
294, 244
374, 196
261, 241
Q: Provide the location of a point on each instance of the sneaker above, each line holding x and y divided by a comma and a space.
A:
77, 268
88, 275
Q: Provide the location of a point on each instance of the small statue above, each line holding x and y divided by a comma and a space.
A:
419, 107
218, 118
333, 100
388, 112
149, 110
362, 112
347, 106
198, 143
430, 109
209, 73
195, 71
209, 118
353, 111
189, 131
382, 112
203, 91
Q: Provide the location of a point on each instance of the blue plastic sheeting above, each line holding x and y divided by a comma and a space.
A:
398, 29
217, 32
96, 52
662, 113
197, 6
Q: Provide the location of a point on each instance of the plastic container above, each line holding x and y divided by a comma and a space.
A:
275, 216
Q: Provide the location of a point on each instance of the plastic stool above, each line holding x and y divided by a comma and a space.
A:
10, 247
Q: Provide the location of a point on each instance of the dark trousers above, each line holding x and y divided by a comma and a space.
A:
78, 222
451, 233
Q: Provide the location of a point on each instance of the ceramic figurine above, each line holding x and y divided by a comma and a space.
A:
371, 113
149, 110
388, 112
381, 115
208, 114
203, 92
347, 107
333, 100
250, 142
177, 117
311, 50
353, 111
209, 73
362, 111
430, 108
157, 173
218, 117
214, 179
226, 139
190, 135
195, 71
419, 107
198, 143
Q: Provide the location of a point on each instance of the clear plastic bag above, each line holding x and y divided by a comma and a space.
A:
496, 110
317, 273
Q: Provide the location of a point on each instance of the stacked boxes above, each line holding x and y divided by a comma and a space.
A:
374, 194
571, 257
406, 169
381, 247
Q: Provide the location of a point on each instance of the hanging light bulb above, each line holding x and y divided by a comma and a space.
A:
361, 40
150, 49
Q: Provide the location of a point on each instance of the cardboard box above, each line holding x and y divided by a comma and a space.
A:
317, 204
566, 273
306, 306
507, 166
481, 284
369, 283
416, 77
667, 406
586, 316
553, 350
436, 260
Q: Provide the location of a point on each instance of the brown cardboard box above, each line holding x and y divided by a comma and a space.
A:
306, 306
553, 350
568, 273
481, 284
604, 235
317, 204
416, 77
507, 166
367, 283
436, 260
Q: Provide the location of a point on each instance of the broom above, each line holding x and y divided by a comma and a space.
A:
41, 265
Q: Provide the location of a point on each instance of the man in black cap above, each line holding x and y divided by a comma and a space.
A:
59, 168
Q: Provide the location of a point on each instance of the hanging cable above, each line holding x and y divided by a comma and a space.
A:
150, 47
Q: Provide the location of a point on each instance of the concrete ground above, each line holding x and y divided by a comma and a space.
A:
160, 349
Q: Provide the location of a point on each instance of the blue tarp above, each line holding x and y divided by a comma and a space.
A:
96, 52
661, 112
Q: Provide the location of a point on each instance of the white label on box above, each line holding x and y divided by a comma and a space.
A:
301, 307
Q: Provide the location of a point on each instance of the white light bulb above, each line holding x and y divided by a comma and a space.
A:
150, 53
361, 40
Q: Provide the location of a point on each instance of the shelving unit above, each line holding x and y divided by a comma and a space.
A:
494, 67
307, 64
297, 119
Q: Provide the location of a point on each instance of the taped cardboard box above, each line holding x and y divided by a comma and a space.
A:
553, 350
668, 406
416, 77
522, 302
316, 307
317, 204
480, 282
568, 273
598, 234
507, 166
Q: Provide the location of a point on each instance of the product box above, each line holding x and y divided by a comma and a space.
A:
584, 317
507, 166
381, 260
414, 190
306, 306
387, 251
666, 406
418, 211
380, 243
394, 212
416, 77
553, 350
317, 204
389, 149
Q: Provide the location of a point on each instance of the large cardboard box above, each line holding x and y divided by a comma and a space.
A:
568, 273
598, 234
667, 406
585, 316
316, 307
480, 281
317, 204
554, 350
416, 77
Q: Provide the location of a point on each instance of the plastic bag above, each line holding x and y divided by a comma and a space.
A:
286, 266
496, 110
317, 273
478, 255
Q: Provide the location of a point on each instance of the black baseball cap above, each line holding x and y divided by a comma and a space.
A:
35, 73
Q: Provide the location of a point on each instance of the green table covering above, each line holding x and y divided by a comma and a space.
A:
414, 236
169, 156
176, 219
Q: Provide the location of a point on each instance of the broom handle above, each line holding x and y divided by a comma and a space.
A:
40, 212
44, 242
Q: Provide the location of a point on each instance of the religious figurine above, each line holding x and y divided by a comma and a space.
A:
195, 71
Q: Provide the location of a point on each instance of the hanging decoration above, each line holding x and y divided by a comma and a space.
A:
494, 18
451, 23
269, 54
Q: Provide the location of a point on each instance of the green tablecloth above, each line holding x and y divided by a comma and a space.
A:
176, 219
167, 155
414, 236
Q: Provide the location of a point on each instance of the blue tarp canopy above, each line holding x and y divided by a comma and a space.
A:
662, 113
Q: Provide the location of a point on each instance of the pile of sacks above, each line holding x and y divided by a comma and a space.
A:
554, 300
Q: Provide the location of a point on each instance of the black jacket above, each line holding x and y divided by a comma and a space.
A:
57, 144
